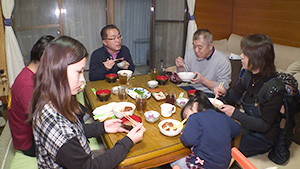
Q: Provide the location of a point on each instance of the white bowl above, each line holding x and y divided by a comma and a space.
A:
186, 76
181, 102
128, 72
115, 90
171, 132
217, 103
118, 107
152, 84
121, 65
151, 116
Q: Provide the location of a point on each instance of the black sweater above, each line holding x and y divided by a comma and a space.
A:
268, 123
97, 69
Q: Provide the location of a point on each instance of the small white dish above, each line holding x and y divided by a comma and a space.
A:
115, 90
217, 103
120, 106
181, 102
151, 116
121, 65
152, 84
170, 132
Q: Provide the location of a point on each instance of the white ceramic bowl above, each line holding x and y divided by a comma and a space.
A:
115, 90
181, 102
171, 132
121, 65
128, 72
118, 107
217, 103
151, 116
186, 76
152, 84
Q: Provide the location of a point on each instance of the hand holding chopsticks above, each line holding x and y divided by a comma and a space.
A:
216, 95
132, 121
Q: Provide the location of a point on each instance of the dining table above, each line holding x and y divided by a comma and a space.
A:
155, 149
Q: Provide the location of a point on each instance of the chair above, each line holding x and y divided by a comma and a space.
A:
241, 159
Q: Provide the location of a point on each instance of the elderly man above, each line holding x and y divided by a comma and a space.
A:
211, 66
104, 60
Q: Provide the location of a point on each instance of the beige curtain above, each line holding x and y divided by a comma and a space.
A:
14, 57
192, 26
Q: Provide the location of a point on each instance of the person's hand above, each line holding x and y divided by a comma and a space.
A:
136, 133
198, 79
108, 64
179, 62
219, 91
114, 126
126, 64
227, 109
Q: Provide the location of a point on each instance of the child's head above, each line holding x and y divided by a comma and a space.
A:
197, 103
60, 75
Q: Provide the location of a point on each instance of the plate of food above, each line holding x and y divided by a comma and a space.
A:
158, 94
134, 92
168, 127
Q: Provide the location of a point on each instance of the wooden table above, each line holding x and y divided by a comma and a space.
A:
155, 149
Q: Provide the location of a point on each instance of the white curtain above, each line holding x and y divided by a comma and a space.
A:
192, 27
14, 57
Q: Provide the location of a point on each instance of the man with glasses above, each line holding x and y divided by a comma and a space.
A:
211, 66
105, 59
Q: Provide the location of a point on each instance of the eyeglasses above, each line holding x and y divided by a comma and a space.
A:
115, 38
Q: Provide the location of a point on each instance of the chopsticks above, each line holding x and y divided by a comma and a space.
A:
180, 124
220, 85
119, 59
185, 67
131, 120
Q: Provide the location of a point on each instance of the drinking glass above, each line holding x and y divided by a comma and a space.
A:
141, 103
153, 73
171, 97
123, 78
122, 93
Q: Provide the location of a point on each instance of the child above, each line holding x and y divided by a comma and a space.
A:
208, 133
61, 140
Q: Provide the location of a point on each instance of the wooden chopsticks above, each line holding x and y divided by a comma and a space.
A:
118, 59
132, 121
220, 85
180, 124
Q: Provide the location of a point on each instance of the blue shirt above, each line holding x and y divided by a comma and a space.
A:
209, 133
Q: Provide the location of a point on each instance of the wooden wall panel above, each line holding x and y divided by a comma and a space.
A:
279, 19
215, 15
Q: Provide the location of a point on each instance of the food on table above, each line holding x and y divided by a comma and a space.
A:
159, 95
126, 108
167, 126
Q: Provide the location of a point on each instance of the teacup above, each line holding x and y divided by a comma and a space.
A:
152, 84
167, 109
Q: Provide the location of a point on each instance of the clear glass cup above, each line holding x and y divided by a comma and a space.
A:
171, 97
153, 73
122, 93
123, 78
141, 103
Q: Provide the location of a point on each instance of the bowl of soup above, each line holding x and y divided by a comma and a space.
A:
121, 108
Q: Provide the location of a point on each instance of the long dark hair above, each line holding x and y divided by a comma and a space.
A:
51, 81
39, 47
260, 51
203, 103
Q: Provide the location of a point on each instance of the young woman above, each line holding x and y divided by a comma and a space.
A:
208, 133
60, 138
260, 122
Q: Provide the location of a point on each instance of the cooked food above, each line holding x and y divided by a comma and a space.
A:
167, 126
159, 95
127, 108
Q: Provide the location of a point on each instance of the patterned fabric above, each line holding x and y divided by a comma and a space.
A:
51, 131
289, 80
195, 165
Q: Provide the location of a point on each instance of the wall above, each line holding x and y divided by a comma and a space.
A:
277, 18
215, 15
